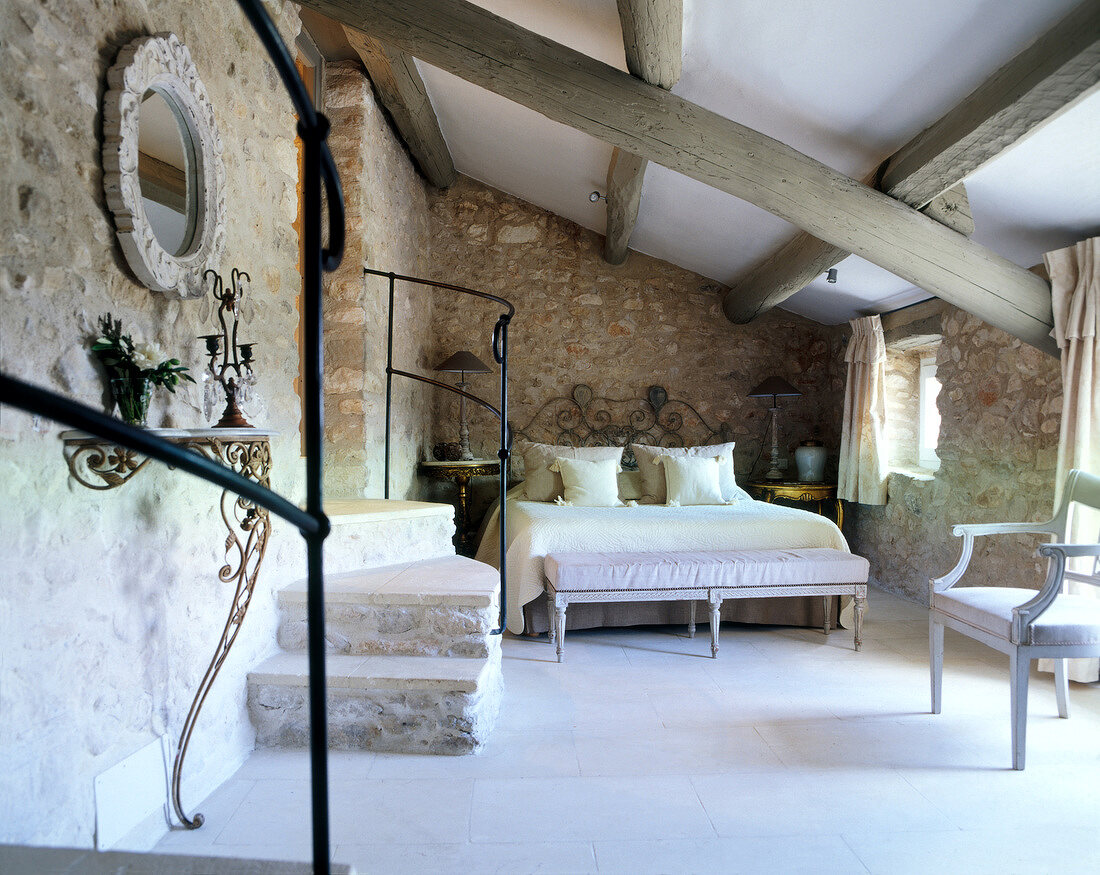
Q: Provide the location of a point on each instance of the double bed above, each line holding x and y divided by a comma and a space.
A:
538, 528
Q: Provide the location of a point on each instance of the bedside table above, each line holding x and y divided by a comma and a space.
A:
460, 473
798, 490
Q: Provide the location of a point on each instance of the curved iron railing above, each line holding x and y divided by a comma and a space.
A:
499, 345
318, 169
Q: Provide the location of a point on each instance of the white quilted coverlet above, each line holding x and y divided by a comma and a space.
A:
537, 528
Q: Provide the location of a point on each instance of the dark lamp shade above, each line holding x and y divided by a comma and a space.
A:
464, 362
772, 387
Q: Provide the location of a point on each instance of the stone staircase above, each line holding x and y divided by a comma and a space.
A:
411, 665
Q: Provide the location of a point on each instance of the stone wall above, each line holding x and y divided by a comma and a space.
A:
1001, 406
387, 229
617, 329
903, 408
110, 606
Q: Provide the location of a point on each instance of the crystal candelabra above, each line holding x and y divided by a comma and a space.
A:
234, 370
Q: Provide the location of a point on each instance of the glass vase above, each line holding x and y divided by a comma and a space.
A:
132, 395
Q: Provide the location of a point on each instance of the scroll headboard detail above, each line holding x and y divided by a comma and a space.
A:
584, 420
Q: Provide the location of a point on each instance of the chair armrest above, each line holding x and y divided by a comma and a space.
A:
975, 529
1070, 551
1026, 614
969, 531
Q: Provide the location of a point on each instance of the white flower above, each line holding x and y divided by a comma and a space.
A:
147, 356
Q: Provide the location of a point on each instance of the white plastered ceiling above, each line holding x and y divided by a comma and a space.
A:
847, 83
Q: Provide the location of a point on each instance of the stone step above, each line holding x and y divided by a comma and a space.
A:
433, 607
410, 704
370, 533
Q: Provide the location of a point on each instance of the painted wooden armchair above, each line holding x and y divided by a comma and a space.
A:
1023, 623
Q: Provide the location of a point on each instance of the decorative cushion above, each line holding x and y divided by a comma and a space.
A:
589, 484
653, 478
691, 479
1072, 619
542, 484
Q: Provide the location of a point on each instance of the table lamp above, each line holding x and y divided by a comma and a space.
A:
774, 388
463, 363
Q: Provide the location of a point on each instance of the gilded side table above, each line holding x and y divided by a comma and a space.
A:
798, 490
99, 464
460, 473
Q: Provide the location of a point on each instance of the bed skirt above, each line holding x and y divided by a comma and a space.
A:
801, 611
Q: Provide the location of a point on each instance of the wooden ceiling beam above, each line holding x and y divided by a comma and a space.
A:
653, 39
620, 109
401, 92
1036, 85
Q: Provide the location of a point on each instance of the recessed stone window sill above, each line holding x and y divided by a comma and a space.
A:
919, 474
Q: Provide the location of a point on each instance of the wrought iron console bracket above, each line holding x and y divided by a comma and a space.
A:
101, 465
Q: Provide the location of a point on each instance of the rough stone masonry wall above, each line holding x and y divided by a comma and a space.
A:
1001, 407
387, 229
617, 329
110, 607
903, 409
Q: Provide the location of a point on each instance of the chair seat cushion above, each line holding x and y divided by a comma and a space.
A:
1072, 619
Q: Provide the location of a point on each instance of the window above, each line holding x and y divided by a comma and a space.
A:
929, 429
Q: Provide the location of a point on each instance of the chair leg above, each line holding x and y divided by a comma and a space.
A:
1061, 687
559, 627
715, 603
1019, 667
825, 626
550, 636
691, 619
935, 662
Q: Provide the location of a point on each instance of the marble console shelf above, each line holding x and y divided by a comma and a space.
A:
100, 464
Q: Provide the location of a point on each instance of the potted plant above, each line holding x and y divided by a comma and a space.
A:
134, 369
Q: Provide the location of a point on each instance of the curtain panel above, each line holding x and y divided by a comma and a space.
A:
863, 456
1075, 298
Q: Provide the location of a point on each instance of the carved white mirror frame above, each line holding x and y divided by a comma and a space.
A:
162, 63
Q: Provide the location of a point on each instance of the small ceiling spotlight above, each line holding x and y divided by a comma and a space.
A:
596, 197
830, 277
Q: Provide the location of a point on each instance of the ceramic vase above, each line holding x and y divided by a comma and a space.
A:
809, 457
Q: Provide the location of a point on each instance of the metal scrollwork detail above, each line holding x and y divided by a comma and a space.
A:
102, 466
251, 459
585, 420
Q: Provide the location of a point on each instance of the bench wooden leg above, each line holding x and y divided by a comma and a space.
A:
560, 605
550, 637
715, 622
827, 600
691, 619
861, 606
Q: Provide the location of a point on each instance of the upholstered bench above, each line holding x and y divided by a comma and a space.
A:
713, 575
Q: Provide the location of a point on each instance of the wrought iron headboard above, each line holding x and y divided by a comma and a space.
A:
585, 420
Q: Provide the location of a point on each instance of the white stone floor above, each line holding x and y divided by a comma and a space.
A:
788, 753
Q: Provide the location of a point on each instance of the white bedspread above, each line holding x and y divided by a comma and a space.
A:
536, 528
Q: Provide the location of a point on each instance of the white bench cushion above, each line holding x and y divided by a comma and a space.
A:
1072, 619
702, 569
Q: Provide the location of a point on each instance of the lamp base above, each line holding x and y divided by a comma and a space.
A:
774, 474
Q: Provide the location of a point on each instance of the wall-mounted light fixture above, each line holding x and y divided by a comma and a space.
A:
830, 277
596, 197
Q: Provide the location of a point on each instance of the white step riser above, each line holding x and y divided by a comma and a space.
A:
413, 721
356, 544
406, 630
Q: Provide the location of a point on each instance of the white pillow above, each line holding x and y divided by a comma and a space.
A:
691, 479
653, 478
542, 484
589, 484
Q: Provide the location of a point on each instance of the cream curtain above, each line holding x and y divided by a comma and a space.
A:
1075, 296
863, 457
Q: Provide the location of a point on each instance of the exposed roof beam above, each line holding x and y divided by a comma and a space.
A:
653, 39
620, 109
1038, 84
402, 93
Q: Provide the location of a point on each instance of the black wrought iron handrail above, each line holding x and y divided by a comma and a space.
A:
317, 168
499, 346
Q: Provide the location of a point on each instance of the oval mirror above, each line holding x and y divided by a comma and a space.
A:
162, 162
166, 173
